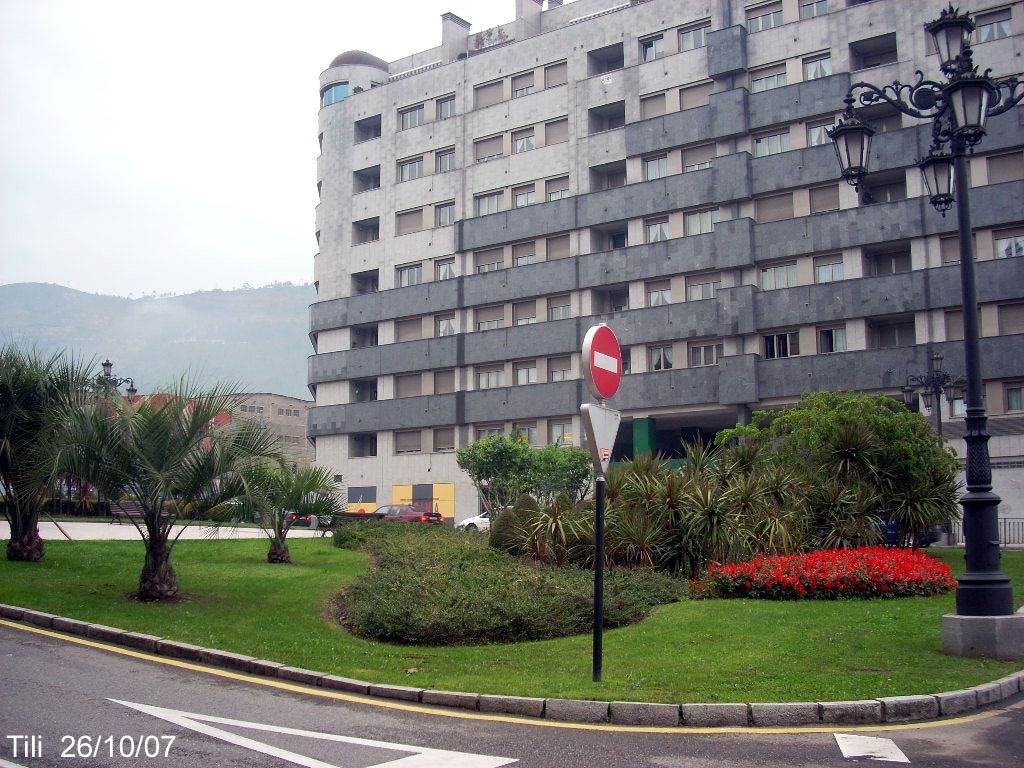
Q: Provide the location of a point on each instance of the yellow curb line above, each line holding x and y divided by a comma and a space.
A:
374, 701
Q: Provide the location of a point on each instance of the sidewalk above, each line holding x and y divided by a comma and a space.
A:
127, 532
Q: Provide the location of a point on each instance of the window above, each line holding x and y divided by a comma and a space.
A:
701, 222
527, 431
655, 167
556, 132
525, 373
888, 263
817, 66
522, 85
694, 36
652, 106
555, 74
703, 353
410, 275
659, 358
559, 432
557, 188
618, 239
825, 198
658, 293
702, 287
444, 382
771, 144
886, 334
368, 128
332, 94
366, 179
652, 48
444, 214
445, 107
768, 78
816, 133
489, 93
559, 307
444, 439
873, 52
522, 141
778, 276
889, 190
489, 203
411, 117
409, 385
627, 361
486, 149
558, 247
408, 222
764, 17
774, 208
490, 378
695, 95
524, 254
1009, 243
489, 430
698, 158
407, 441
831, 340
362, 444
490, 318
656, 230
444, 325
444, 160
1014, 397
954, 319
559, 369
365, 231
523, 196
444, 269
949, 250
409, 330
992, 26
489, 261
618, 300
813, 8
786, 344
606, 59
1010, 318
607, 117
364, 336
410, 169
1009, 167
365, 282
828, 269
524, 313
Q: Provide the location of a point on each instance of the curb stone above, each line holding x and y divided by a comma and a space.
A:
886, 709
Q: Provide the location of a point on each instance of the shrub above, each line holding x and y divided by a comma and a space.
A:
829, 575
436, 586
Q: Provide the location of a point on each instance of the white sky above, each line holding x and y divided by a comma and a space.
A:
171, 146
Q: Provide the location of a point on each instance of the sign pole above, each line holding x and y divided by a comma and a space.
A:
599, 581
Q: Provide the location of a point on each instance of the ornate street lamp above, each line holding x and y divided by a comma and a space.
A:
957, 109
107, 380
931, 386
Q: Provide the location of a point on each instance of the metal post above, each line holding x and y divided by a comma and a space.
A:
984, 590
599, 581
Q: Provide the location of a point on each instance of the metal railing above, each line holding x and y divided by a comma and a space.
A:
1011, 531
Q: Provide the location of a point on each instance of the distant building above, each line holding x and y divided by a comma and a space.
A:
285, 417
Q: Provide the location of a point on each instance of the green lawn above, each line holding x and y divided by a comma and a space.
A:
737, 650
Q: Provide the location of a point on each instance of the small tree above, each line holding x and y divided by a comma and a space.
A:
499, 467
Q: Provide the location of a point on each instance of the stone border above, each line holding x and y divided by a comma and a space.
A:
892, 709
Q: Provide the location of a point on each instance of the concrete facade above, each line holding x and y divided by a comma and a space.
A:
286, 417
484, 202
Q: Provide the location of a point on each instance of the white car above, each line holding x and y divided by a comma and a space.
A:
478, 523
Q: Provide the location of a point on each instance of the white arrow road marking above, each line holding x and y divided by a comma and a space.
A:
424, 757
883, 750
605, 362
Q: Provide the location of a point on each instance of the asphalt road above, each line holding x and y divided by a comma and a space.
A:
69, 704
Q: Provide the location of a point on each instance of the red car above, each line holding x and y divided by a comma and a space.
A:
408, 513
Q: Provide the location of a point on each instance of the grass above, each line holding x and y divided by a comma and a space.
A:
713, 650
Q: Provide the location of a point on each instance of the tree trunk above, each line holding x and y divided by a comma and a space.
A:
279, 553
25, 544
158, 580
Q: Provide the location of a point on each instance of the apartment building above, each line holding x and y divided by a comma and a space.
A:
286, 417
660, 166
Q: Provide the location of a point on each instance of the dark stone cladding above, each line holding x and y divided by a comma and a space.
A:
727, 51
739, 379
739, 310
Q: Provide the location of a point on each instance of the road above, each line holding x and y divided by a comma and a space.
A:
72, 702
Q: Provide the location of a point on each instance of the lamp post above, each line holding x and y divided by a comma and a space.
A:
957, 107
107, 380
932, 385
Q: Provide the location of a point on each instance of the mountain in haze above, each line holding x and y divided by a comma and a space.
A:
255, 338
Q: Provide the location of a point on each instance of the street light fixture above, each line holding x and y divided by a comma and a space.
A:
932, 385
108, 380
958, 109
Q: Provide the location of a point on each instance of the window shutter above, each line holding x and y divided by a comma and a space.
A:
487, 314
490, 93
410, 385
488, 147
555, 74
949, 247
825, 199
410, 221
523, 249
556, 131
407, 442
558, 247
774, 208
524, 310
444, 382
954, 325
495, 255
409, 330
444, 439
1011, 319
524, 80
695, 95
652, 106
1006, 168
697, 155
556, 185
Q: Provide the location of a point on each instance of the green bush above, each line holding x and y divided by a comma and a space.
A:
436, 586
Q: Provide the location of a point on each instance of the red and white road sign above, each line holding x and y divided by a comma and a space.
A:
602, 361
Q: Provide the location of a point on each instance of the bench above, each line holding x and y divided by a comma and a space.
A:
131, 510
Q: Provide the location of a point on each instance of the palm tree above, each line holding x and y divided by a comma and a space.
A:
33, 390
169, 452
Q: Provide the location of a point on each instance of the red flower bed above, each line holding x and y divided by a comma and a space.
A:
829, 575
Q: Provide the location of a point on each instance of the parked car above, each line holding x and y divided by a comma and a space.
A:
309, 521
408, 513
478, 523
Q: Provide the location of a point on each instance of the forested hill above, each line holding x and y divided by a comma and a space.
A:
256, 338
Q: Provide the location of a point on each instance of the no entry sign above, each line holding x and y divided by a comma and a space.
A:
602, 361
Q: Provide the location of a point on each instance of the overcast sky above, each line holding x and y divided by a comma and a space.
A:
171, 146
